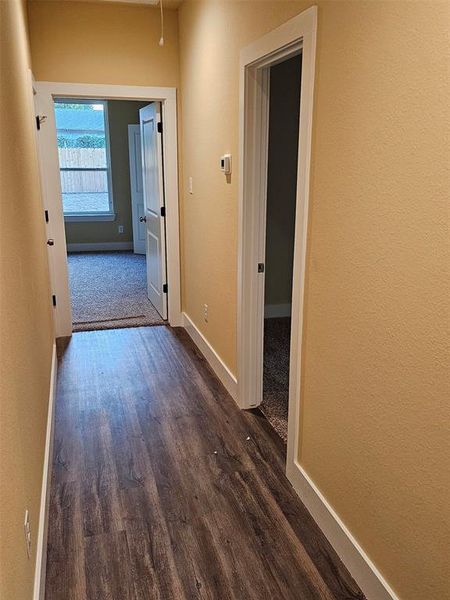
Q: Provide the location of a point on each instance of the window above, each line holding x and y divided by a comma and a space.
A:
84, 159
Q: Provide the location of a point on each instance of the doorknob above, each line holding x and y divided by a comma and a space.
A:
143, 219
50, 242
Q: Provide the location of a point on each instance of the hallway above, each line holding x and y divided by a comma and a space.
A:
163, 489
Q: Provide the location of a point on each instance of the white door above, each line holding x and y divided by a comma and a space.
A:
152, 171
48, 216
137, 193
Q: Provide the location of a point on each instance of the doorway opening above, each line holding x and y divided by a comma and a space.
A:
276, 109
108, 162
104, 198
284, 113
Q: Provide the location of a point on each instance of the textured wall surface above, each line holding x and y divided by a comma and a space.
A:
111, 43
86, 42
375, 415
26, 329
121, 113
376, 435
375, 412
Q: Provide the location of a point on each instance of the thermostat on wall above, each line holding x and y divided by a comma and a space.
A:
225, 164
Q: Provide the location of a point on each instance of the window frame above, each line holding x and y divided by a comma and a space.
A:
109, 215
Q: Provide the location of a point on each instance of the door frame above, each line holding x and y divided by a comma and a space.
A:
47, 91
295, 36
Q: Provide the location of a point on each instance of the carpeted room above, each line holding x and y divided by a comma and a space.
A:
105, 240
109, 290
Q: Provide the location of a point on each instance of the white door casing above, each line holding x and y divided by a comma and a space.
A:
49, 213
153, 187
137, 192
47, 91
295, 36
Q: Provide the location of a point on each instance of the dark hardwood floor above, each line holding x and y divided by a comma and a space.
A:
163, 489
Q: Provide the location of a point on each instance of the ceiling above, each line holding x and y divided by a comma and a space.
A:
166, 3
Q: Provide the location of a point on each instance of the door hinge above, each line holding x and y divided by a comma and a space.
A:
260, 267
163, 211
40, 119
46, 215
165, 288
159, 126
54, 300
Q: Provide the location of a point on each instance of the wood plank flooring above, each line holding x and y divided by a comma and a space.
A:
158, 494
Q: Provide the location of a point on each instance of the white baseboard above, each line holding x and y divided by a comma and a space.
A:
273, 311
362, 569
214, 360
41, 546
100, 247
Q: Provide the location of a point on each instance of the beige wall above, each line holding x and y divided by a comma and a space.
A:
121, 113
25, 318
374, 386
112, 43
85, 42
282, 180
375, 413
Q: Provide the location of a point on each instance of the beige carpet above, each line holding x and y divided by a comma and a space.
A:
109, 291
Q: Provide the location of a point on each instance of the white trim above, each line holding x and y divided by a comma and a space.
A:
41, 544
274, 311
291, 38
50, 172
213, 359
363, 570
88, 217
254, 134
108, 215
35, 108
99, 247
108, 158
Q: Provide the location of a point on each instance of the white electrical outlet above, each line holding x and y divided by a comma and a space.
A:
205, 312
120, 228
27, 531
